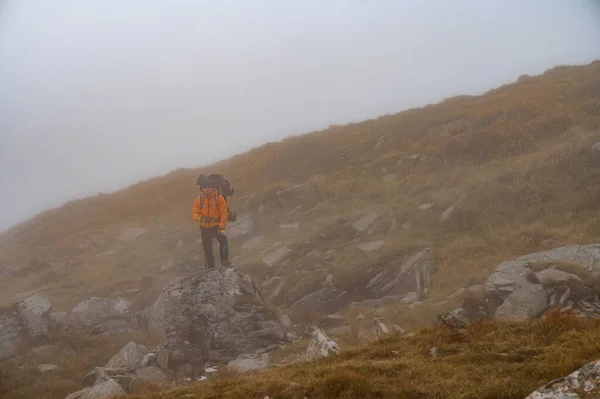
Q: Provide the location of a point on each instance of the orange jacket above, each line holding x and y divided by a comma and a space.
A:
210, 209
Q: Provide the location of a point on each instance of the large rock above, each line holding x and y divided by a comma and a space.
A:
245, 363
583, 383
328, 299
24, 325
103, 315
320, 345
528, 301
148, 377
35, 311
128, 359
13, 334
507, 276
217, 310
104, 390
404, 275
363, 223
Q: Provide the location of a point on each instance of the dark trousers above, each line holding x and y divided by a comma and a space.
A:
207, 237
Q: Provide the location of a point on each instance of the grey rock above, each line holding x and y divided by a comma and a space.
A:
404, 275
253, 243
371, 246
249, 362
581, 383
128, 359
447, 214
105, 390
56, 320
241, 227
148, 377
427, 206
163, 358
272, 287
380, 142
13, 334
363, 223
217, 309
101, 315
34, 312
276, 256
94, 377
45, 368
526, 302
380, 328
132, 233
328, 299
320, 345
289, 228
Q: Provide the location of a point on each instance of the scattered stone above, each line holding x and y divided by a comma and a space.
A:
104, 390
253, 243
249, 362
168, 266
526, 302
426, 206
363, 223
380, 328
289, 228
380, 142
447, 214
371, 246
276, 256
34, 312
44, 368
108, 252
132, 234
433, 351
320, 345
148, 377
404, 275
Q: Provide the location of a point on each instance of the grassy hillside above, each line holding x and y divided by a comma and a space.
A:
517, 162
488, 361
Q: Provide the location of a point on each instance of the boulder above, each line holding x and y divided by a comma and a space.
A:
103, 315
128, 359
217, 310
148, 377
13, 334
581, 383
34, 312
245, 363
24, 325
404, 275
528, 301
320, 345
104, 390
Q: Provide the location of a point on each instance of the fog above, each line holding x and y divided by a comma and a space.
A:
96, 95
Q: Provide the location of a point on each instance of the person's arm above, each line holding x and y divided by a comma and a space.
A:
222, 212
197, 209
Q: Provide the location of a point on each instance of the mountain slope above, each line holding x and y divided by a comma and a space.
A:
517, 163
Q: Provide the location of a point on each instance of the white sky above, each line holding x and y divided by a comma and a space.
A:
96, 95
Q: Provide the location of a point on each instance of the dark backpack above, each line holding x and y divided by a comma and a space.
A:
224, 186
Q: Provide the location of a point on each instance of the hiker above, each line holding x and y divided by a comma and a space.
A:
211, 212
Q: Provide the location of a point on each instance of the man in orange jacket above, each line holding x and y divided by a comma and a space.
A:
210, 211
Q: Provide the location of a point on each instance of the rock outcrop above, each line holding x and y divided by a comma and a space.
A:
529, 286
320, 345
583, 383
404, 275
102, 315
24, 325
214, 315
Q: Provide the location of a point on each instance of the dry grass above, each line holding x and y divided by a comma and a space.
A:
491, 360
